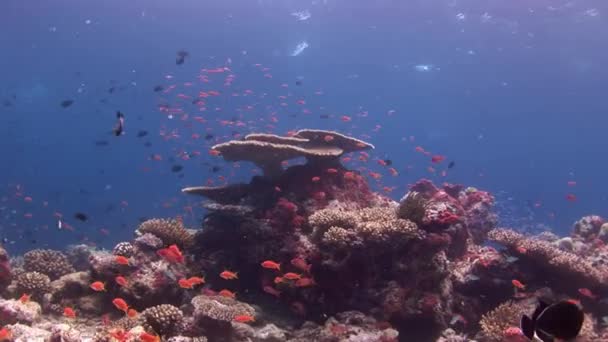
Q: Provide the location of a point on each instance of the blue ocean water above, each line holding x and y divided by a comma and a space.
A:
512, 92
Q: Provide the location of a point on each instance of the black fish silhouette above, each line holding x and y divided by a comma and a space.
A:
562, 320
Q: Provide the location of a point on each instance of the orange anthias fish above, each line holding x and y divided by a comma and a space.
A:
146, 337
98, 286
301, 264
120, 335
120, 304
121, 260
172, 254
244, 318
271, 265
518, 284
185, 283
24, 298
305, 282
272, 291
196, 280
587, 293
69, 312
227, 293
120, 280
132, 313
291, 276
229, 275
5, 334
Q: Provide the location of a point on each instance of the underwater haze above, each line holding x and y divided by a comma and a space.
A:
108, 109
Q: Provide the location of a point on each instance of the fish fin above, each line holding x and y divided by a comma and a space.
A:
539, 309
543, 336
527, 326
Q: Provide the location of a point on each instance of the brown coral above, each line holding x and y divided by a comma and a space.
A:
496, 322
163, 319
369, 225
34, 283
170, 231
546, 254
323, 137
52, 263
219, 308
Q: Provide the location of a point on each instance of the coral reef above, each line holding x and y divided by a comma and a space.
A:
169, 231
309, 252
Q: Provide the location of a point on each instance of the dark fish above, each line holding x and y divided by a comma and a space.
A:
209, 136
562, 320
103, 101
388, 162
324, 116
7, 103
142, 133
451, 165
109, 208
118, 129
111, 90
66, 103
147, 144
84, 192
181, 175
33, 241
158, 88
181, 57
101, 143
80, 216
215, 169
176, 168
298, 83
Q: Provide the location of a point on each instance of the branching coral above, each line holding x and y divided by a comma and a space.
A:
495, 323
170, 231
546, 254
50, 262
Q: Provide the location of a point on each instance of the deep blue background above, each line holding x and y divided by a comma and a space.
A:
518, 101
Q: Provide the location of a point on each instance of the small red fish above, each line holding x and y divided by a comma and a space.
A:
146, 337
98, 286
120, 304
587, 293
121, 260
316, 179
24, 298
436, 159
291, 276
69, 312
196, 280
271, 265
132, 313
185, 284
229, 275
301, 264
305, 282
571, 197
120, 280
272, 291
172, 254
518, 284
5, 334
227, 293
244, 318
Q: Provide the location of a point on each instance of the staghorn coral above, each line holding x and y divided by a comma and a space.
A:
163, 319
34, 283
496, 322
47, 261
170, 231
547, 255
125, 249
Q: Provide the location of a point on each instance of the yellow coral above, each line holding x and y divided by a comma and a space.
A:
494, 323
170, 231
